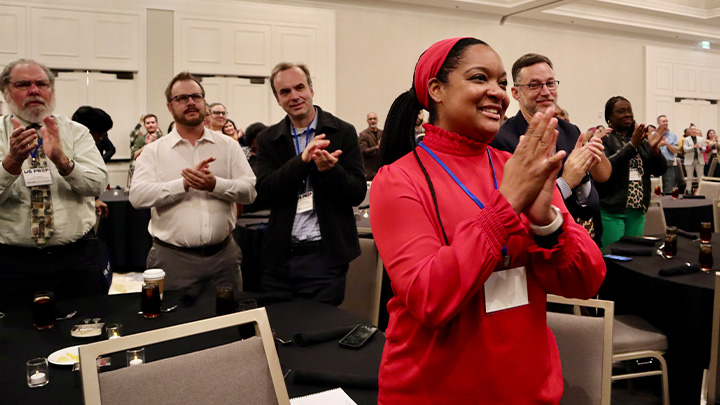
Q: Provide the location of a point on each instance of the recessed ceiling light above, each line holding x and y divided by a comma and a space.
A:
705, 44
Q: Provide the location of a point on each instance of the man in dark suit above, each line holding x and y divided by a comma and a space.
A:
310, 174
535, 89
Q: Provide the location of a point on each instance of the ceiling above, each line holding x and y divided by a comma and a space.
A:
694, 20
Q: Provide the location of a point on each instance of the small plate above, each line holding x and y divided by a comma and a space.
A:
65, 357
87, 330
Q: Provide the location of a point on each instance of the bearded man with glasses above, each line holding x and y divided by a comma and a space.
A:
192, 179
51, 171
535, 89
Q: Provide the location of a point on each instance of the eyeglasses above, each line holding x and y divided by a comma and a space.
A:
222, 113
26, 84
183, 98
550, 84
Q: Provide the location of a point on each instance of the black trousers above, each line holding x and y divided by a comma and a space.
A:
307, 276
69, 271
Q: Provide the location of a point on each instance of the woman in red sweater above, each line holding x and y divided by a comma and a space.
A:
473, 240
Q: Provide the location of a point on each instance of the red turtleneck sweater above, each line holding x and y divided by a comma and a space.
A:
442, 347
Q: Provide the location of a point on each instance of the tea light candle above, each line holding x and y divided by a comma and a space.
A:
37, 378
114, 335
136, 362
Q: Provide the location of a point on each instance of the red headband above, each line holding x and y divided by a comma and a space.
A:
429, 65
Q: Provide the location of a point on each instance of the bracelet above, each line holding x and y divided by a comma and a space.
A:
551, 227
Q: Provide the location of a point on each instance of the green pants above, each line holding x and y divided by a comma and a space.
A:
616, 225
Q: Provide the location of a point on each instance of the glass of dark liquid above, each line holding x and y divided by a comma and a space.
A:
225, 302
658, 191
675, 193
705, 260
705, 232
669, 248
44, 310
150, 300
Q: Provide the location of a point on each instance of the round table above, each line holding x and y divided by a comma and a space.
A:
680, 306
686, 213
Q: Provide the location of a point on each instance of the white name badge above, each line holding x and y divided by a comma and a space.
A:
635, 175
39, 176
305, 202
506, 289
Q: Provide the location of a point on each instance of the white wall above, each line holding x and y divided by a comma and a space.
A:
377, 45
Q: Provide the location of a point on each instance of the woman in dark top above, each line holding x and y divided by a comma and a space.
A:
635, 156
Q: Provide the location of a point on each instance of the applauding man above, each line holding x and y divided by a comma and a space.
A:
535, 89
191, 178
51, 170
310, 174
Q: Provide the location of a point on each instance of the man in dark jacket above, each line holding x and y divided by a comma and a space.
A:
535, 89
310, 174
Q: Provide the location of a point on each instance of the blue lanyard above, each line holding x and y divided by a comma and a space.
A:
307, 137
459, 183
454, 177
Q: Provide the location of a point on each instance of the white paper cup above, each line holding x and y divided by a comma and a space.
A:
155, 276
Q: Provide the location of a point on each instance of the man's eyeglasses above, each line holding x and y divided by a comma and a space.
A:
221, 113
183, 98
550, 84
26, 84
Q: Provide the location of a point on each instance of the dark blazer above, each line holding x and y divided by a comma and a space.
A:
613, 194
508, 137
281, 173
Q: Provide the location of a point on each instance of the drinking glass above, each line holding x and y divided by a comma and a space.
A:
44, 310
669, 248
705, 259
705, 232
150, 300
225, 301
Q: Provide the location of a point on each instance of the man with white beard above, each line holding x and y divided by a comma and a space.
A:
51, 171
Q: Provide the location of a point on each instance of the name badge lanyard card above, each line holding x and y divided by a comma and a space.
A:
506, 258
306, 182
34, 152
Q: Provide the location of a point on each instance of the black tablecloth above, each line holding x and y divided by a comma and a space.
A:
680, 306
19, 342
687, 213
125, 233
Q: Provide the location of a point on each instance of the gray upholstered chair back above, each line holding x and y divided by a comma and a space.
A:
655, 221
241, 372
364, 281
235, 373
585, 345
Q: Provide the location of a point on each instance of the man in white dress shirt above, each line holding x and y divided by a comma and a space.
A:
192, 178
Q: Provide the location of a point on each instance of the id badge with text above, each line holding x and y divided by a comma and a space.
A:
506, 289
305, 202
38, 176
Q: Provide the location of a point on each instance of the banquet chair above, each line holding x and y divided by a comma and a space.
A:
633, 339
709, 188
713, 166
242, 372
716, 214
655, 220
585, 345
364, 282
713, 375
681, 169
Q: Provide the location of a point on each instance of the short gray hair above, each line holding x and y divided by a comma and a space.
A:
5, 75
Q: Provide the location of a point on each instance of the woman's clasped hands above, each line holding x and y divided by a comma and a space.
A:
529, 177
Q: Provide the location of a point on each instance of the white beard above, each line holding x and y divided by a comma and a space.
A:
32, 114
